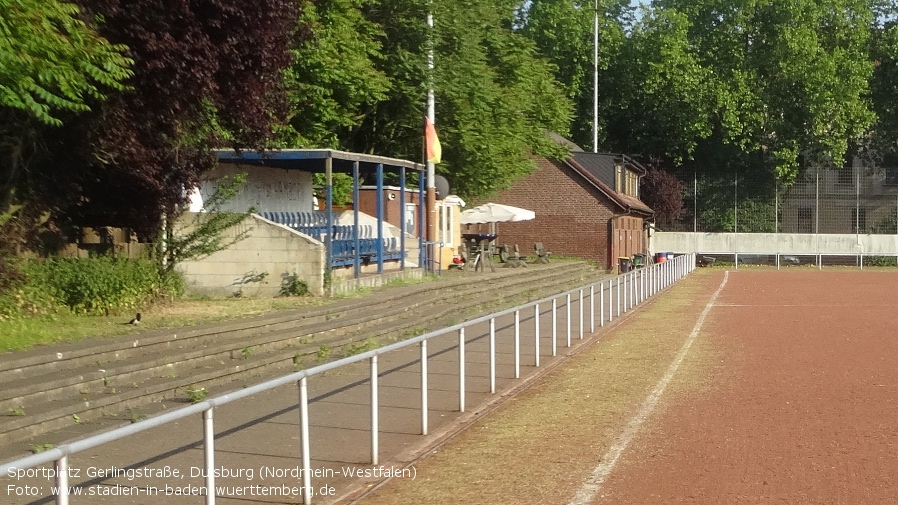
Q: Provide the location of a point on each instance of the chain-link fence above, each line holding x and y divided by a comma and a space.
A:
855, 199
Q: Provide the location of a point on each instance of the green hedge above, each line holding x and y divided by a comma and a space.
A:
96, 285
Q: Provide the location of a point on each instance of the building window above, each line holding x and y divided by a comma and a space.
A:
617, 178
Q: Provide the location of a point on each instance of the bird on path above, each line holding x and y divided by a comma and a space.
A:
135, 320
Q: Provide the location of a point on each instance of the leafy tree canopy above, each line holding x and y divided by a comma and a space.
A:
334, 82
206, 73
563, 31
53, 61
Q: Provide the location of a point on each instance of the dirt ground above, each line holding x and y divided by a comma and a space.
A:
786, 393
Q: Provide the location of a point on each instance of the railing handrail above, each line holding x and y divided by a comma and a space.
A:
67, 449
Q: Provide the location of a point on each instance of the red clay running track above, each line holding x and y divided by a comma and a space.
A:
801, 404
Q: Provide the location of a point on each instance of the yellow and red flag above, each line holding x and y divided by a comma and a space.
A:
431, 142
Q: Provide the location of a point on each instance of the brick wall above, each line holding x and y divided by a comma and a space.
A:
573, 218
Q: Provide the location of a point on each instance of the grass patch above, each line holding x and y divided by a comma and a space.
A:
548, 438
22, 333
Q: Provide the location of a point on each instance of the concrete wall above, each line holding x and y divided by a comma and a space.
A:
267, 189
774, 243
269, 248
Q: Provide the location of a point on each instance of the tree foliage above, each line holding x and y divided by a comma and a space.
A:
334, 82
53, 64
784, 79
662, 192
496, 97
53, 61
206, 73
563, 31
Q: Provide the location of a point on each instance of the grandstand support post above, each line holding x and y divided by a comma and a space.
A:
422, 223
379, 201
402, 229
329, 216
356, 261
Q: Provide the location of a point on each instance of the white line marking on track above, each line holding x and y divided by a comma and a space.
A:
590, 489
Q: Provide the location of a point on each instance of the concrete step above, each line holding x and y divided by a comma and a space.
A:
232, 352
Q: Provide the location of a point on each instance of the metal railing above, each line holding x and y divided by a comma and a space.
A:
625, 292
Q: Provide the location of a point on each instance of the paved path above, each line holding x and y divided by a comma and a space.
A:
257, 439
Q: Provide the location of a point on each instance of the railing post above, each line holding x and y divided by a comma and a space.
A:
580, 312
424, 406
626, 292
62, 480
592, 308
554, 327
601, 304
374, 419
618, 296
492, 355
304, 440
461, 369
209, 453
567, 316
536, 334
517, 344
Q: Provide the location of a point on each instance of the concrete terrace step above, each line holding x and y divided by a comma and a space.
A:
216, 355
144, 362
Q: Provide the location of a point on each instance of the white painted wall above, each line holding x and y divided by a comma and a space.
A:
774, 243
267, 189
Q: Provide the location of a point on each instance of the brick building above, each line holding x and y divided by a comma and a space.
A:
587, 206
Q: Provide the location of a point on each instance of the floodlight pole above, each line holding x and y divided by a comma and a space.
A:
595, 80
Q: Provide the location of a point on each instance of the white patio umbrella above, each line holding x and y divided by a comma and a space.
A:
495, 213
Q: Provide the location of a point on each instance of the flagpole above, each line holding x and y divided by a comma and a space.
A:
595, 80
431, 115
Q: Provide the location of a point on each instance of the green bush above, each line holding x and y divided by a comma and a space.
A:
880, 261
292, 285
96, 285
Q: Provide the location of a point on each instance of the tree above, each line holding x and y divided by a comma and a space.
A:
563, 32
662, 192
206, 74
496, 96
53, 63
785, 78
334, 82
